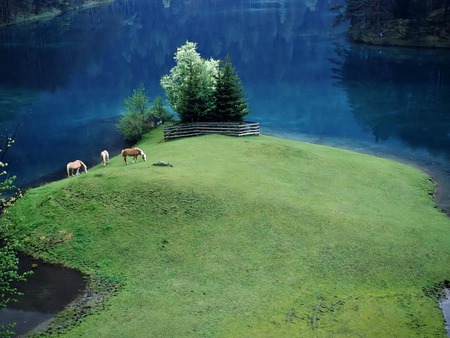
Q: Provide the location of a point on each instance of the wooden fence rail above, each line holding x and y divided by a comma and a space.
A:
202, 128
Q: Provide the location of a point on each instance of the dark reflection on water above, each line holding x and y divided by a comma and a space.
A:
392, 94
47, 291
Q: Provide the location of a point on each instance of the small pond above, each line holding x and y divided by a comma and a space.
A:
48, 290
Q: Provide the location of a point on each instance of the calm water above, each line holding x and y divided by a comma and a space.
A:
48, 290
63, 81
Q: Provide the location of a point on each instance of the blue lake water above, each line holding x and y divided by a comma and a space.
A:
63, 81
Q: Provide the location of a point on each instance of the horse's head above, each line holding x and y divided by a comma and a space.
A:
141, 152
84, 166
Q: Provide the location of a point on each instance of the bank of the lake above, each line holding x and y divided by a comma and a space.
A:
256, 236
399, 33
32, 16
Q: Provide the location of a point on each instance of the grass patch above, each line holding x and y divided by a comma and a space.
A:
246, 237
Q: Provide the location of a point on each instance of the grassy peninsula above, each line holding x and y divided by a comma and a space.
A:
246, 237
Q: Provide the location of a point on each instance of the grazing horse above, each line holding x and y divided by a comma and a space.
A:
75, 165
135, 152
105, 157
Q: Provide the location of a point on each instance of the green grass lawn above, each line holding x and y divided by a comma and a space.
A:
246, 237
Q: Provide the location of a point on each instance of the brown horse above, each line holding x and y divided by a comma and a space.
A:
135, 152
105, 157
75, 165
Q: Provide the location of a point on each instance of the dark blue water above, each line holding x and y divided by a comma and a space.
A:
63, 81
47, 291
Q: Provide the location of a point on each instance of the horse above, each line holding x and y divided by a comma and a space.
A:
135, 152
75, 165
105, 157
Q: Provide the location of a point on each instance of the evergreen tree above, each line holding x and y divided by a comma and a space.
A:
230, 103
190, 105
366, 13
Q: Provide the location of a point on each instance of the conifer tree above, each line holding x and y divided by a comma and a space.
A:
230, 103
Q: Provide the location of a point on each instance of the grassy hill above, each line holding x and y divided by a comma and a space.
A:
245, 237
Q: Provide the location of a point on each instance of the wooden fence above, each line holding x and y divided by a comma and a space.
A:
202, 128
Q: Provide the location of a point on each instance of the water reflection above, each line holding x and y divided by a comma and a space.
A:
47, 291
400, 93
67, 77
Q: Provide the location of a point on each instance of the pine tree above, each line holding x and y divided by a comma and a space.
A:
230, 103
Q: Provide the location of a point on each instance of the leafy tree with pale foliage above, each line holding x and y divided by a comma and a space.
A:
191, 84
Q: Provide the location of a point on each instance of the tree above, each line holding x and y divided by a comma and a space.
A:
138, 118
204, 90
9, 193
190, 85
363, 14
158, 110
9, 263
230, 104
132, 124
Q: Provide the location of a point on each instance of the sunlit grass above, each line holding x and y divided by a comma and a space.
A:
248, 237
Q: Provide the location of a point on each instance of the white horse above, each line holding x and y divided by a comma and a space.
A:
105, 157
135, 152
75, 165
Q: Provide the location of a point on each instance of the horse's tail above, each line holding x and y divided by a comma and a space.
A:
68, 169
105, 157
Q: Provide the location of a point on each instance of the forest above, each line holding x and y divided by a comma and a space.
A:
17, 11
421, 23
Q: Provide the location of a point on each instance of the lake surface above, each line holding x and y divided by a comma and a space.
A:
63, 81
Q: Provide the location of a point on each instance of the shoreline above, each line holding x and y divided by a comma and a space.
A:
48, 15
436, 171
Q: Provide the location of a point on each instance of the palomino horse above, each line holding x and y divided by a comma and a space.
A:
75, 165
135, 152
105, 157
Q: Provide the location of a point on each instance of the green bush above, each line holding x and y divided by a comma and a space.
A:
138, 118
